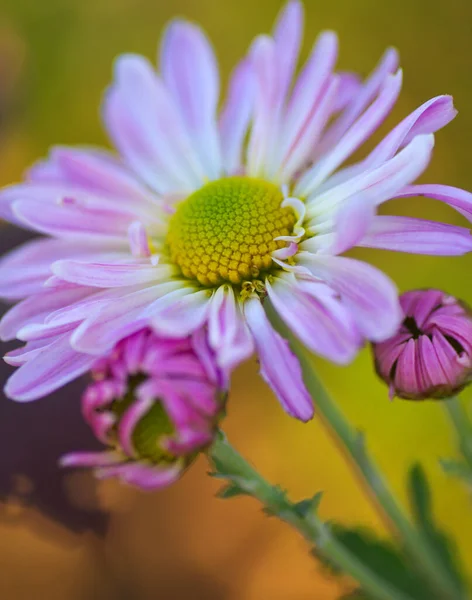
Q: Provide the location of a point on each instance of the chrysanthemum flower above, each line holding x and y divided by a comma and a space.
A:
206, 215
431, 354
155, 402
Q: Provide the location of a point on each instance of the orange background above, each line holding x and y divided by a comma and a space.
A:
64, 537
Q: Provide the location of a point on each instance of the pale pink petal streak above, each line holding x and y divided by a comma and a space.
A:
360, 101
279, 366
370, 296
227, 332
288, 32
311, 103
417, 236
459, 199
265, 126
190, 72
235, 116
145, 125
48, 371
317, 317
356, 135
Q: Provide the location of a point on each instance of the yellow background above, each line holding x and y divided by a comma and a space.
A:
55, 61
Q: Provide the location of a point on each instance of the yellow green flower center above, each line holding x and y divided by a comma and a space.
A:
226, 230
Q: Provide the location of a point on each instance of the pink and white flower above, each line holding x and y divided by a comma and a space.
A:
156, 403
204, 216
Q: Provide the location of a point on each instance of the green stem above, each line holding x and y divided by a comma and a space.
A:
462, 425
238, 470
352, 442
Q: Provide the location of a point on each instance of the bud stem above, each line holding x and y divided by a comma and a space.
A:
463, 426
229, 464
352, 443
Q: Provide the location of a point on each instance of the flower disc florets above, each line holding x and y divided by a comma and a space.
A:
228, 229
155, 402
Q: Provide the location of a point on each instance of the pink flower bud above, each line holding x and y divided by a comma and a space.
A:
431, 354
156, 403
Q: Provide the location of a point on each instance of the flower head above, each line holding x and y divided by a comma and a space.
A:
204, 217
431, 354
155, 402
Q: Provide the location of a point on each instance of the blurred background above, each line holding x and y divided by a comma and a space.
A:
62, 536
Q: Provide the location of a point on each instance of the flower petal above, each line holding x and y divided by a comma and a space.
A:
354, 137
49, 370
146, 127
279, 366
417, 236
118, 318
287, 35
181, 317
428, 118
455, 197
369, 294
35, 308
318, 318
261, 149
236, 114
190, 72
112, 274
381, 183
71, 218
227, 332
310, 105
387, 65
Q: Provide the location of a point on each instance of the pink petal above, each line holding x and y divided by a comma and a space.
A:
181, 317
370, 295
349, 88
35, 308
279, 366
408, 376
22, 355
70, 218
381, 183
148, 477
147, 128
190, 72
360, 130
90, 459
266, 115
287, 35
360, 101
428, 118
308, 100
128, 422
138, 240
417, 236
108, 275
455, 197
102, 173
117, 319
321, 322
47, 371
352, 222
236, 114
227, 332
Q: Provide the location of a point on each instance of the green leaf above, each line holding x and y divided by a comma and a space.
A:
308, 506
439, 541
458, 469
382, 558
